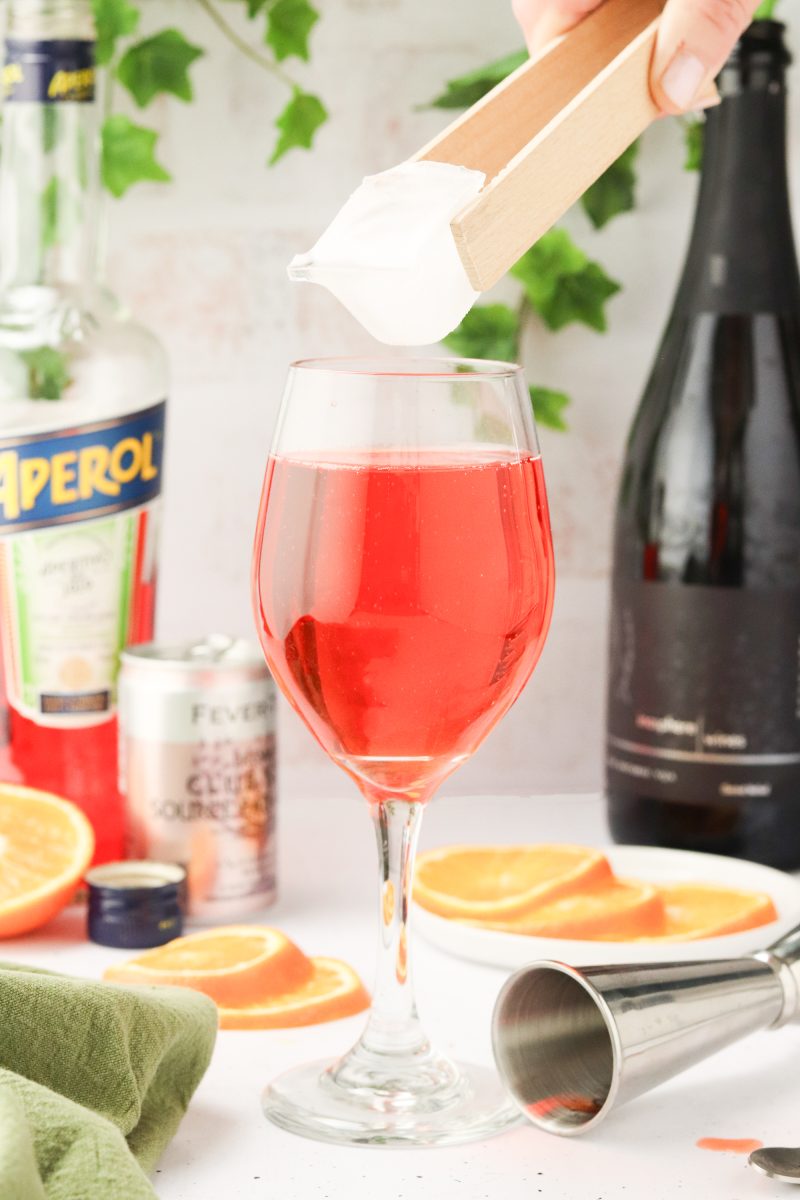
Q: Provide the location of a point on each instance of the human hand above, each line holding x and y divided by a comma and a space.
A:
694, 39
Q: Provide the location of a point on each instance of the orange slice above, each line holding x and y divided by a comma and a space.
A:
612, 912
334, 990
235, 964
46, 844
699, 910
495, 882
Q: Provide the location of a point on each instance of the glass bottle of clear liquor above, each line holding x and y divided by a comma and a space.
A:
82, 401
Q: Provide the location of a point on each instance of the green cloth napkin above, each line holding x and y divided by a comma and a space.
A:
94, 1080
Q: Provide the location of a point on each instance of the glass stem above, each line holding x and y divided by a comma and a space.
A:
392, 1065
394, 1027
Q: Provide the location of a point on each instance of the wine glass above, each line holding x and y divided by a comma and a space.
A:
403, 584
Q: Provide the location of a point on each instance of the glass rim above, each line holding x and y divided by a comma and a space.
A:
429, 368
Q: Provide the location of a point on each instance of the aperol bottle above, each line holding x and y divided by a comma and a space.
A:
82, 400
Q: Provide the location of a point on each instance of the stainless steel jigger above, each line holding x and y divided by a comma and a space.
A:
571, 1044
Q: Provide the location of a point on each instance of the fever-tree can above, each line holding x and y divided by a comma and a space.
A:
197, 769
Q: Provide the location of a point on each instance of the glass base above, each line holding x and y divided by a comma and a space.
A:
470, 1106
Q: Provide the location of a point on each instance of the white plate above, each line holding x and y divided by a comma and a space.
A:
650, 864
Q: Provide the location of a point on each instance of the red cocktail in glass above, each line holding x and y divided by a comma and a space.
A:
403, 584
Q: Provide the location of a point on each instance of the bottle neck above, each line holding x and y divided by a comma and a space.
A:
742, 255
49, 186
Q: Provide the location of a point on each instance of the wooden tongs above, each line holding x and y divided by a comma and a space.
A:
548, 131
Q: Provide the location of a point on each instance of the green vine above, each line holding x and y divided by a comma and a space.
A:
560, 284
147, 68
161, 64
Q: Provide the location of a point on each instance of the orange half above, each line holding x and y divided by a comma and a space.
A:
46, 844
334, 990
614, 911
698, 910
493, 883
235, 964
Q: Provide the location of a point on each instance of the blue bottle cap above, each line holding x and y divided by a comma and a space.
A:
137, 904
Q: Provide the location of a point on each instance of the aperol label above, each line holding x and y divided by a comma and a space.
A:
49, 71
79, 509
72, 474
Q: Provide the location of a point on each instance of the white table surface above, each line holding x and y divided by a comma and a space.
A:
225, 1150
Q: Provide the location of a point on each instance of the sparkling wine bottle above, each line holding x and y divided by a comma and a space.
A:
82, 391
703, 746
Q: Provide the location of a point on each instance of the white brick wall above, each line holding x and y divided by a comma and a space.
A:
203, 262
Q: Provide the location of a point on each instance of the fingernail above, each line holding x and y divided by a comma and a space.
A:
704, 102
709, 97
682, 79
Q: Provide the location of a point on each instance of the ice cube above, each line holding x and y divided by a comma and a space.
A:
389, 255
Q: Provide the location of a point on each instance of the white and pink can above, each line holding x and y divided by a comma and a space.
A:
197, 769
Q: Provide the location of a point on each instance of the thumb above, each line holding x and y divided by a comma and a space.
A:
694, 39
543, 20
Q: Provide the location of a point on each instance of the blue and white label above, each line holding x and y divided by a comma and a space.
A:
79, 518
48, 71
74, 474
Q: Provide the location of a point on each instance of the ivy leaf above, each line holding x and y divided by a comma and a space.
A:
548, 407
113, 19
59, 212
488, 331
83, 160
47, 372
49, 127
289, 23
254, 7
158, 64
614, 192
129, 155
467, 89
298, 123
580, 297
553, 255
765, 10
561, 283
693, 135
50, 202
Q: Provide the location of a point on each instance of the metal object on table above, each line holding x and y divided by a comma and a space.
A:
777, 1162
197, 769
572, 1044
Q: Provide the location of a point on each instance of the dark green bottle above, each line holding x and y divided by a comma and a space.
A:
704, 682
